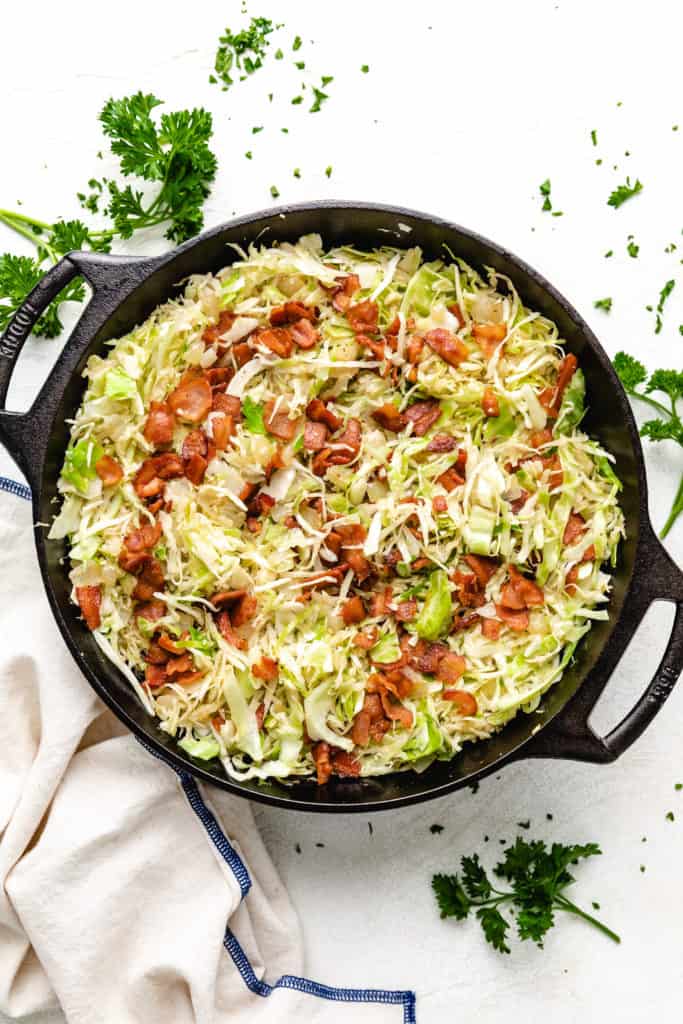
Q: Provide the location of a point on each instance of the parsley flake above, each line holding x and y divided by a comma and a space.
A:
328, 171
274, 191
631, 247
604, 304
365, 68
296, 45
244, 50
297, 99
624, 192
594, 137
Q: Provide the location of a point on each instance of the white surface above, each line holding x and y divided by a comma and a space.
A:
465, 111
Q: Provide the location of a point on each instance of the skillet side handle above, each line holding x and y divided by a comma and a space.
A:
570, 735
111, 279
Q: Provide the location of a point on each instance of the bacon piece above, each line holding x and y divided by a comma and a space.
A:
109, 471
178, 666
219, 377
439, 505
195, 443
366, 639
144, 538
278, 423
441, 443
450, 668
155, 676
132, 562
379, 602
451, 348
576, 525
483, 568
151, 610
315, 436
414, 349
260, 505
389, 417
328, 577
191, 400
244, 610
150, 580
378, 348
159, 424
266, 669
149, 479
465, 702
529, 589
169, 645
319, 412
222, 429
353, 537
195, 468
423, 416
538, 438
363, 316
427, 657
551, 398
321, 759
489, 336
360, 730
342, 295
344, 763
489, 403
454, 308
517, 620
395, 711
303, 334
156, 655
349, 443
242, 352
290, 312
277, 339
259, 715
231, 405
406, 610
188, 678
213, 333
450, 479
353, 611
517, 504
227, 632
491, 628
90, 600
468, 590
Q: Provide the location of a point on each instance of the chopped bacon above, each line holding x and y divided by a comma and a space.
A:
191, 400
89, 600
178, 666
350, 440
290, 312
427, 657
551, 398
149, 479
109, 471
150, 580
155, 676
159, 425
303, 334
328, 577
517, 504
333, 543
144, 538
483, 568
342, 295
259, 715
353, 611
261, 504
195, 443
353, 536
454, 308
576, 525
151, 610
468, 589
277, 339
439, 505
489, 336
538, 438
278, 423
450, 479
218, 721
423, 416
389, 417
491, 628
156, 655
344, 763
227, 632
189, 678
242, 352
219, 377
395, 710
315, 436
366, 639
248, 492
244, 610
222, 429
406, 610
465, 702
380, 601
132, 561
530, 592
195, 468
169, 645
227, 597
266, 669
441, 443
377, 348
589, 554
318, 411
360, 730
231, 405
321, 759
553, 466
517, 620
489, 403
451, 348
414, 349
213, 333
363, 317
450, 668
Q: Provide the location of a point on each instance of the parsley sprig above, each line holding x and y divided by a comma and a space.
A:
172, 154
537, 877
623, 192
668, 425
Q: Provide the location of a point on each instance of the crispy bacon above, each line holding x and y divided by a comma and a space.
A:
450, 668
241, 352
191, 400
159, 425
151, 610
395, 711
450, 479
349, 444
517, 504
156, 655
109, 471
454, 308
380, 601
406, 610
222, 429
149, 479
189, 678
551, 398
363, 317
378, 348
465, 702
451, 348
360, 730
266, 669
439, 505
180, 665
213, 333
144, 538
90, 600
469, 592
277, 339
489, 403
315, 436
414, 349
326, 578
278, 423
344, 292
169, 645
441, 443
344, 763
195, 468
367, 638
538, 438
227, 597
321, 758
517, 620
483, 568
425, 657
195, 443
319, 412
576, 525
303, 334
231, 405
150, 580
353, 611
227, 632
155, 676
291, 312
423, 416
260, 504
489, 336
353, 537
530, 592
219, 377
490, 628
389, 417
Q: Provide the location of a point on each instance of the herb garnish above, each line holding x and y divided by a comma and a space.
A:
605, 304
668, 425
663, 296
328, 171
624, 192
274, 191
547, 207
538, 877
631, 248
594, 137
244, 50
296, 45
365, 68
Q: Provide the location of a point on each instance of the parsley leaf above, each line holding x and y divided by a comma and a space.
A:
624, 192
244, 50
18, 276
296, 45
594, 137
319, 99
631, 248
663, 296
537, 877
252, 416
605, 304
668, 425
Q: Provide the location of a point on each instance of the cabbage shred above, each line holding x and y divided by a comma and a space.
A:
267, 728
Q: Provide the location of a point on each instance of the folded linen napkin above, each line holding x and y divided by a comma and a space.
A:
129, 894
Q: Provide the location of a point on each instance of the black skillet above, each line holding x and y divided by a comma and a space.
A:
126, 290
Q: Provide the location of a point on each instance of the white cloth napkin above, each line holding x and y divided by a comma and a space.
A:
122, 899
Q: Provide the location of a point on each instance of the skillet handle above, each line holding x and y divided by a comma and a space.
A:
570, 735
111, 278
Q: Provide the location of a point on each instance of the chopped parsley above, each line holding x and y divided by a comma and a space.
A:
328, 171
547, 207
604, 304
365, 68
300, 65
296, 45
670, 816
297, 99
297, 172
319, 99
624, 192
631, 248
256, 129
243, 50
274, 191
594, 137
610, 252
663, 296
248, 154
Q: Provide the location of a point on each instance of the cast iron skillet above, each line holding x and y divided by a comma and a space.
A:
126, 290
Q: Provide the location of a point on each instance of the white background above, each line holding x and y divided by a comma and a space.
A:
466, 109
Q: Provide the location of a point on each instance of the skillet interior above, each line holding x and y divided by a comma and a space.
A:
608, 419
